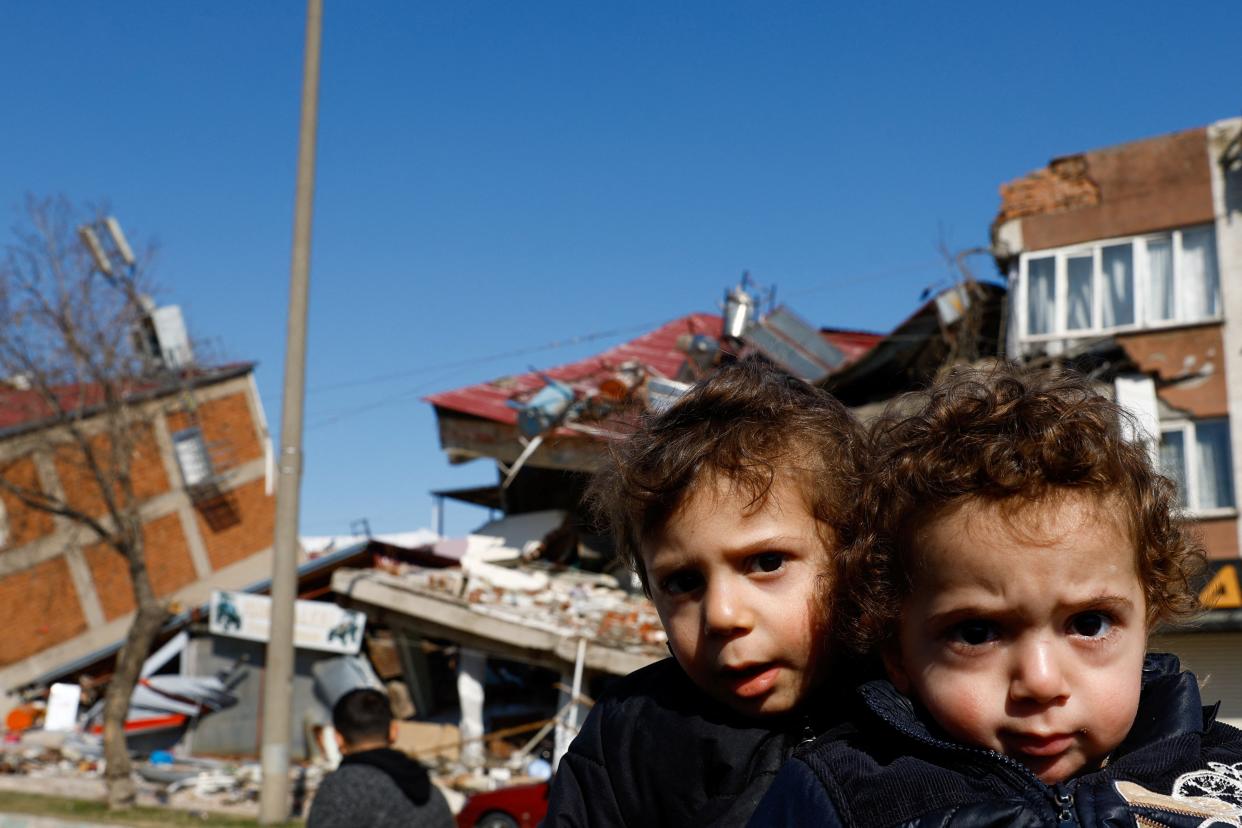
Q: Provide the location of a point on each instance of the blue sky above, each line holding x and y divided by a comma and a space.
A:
494, 177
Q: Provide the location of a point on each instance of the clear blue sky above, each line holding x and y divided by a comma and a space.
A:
495, 176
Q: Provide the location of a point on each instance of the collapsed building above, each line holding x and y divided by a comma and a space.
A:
202, 472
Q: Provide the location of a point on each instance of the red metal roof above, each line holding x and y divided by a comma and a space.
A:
656, 350
852, 344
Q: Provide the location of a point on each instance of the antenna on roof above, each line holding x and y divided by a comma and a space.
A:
118, 240
87, 234
160, 333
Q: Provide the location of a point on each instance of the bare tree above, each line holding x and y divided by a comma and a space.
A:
71, 333
964, 346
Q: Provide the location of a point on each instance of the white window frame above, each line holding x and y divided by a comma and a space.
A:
192, 435
1139, 272
1190, 456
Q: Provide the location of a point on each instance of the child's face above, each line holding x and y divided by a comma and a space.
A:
735, 588
1025, 633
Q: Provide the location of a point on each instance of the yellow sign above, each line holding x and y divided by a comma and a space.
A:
1223, 591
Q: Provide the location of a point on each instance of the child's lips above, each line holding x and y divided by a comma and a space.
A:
1040, 746
752, 680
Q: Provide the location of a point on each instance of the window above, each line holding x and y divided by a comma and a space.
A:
191, 451
1161, 279
1196, 455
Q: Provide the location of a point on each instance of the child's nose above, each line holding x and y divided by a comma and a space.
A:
724, 610
1037, 674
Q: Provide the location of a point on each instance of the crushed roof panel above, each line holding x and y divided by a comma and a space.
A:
657, 351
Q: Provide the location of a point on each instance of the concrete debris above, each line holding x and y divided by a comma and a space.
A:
71, 765
572, 604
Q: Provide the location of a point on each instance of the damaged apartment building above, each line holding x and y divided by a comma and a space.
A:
201, 471
1127, 261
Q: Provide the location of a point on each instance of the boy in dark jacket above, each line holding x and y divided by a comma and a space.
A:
1016, 552
375, 786
728, 505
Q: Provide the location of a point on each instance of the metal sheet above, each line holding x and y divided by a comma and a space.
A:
795, 330
785, 355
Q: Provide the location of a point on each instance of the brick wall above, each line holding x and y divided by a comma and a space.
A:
238, 524
231, 435
38, 608
22, 525
1063, 185
168, 564
39, 604
80, 485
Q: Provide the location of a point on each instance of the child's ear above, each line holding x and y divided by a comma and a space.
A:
893, 666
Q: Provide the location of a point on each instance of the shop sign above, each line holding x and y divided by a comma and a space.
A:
317, 625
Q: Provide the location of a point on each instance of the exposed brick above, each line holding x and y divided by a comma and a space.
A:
24, 524
228, 430
1139, 187
82, 488
110, 574
168, 564
237, 524
38, 608
1063, 185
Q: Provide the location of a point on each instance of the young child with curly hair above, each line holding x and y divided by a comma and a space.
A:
729, 505
1016, 553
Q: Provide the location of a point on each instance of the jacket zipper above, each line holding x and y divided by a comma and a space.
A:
1061, 796
1065, 804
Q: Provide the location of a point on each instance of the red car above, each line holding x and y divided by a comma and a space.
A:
521, 806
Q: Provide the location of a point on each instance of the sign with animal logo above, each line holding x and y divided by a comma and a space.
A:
317, 625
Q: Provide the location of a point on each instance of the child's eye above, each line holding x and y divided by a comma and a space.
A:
765, 562
679, 583
973, 632
1090, 624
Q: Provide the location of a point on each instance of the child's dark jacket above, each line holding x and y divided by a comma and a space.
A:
888, 769
657, 751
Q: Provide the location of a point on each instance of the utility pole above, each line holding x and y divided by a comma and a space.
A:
278, 680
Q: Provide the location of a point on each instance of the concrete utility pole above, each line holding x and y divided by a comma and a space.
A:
278, 680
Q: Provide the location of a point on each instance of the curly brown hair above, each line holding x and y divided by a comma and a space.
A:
1006, 436
747, 422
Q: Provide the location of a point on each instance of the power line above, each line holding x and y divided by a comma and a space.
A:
446, 370
468, 363
409, 395
899, 270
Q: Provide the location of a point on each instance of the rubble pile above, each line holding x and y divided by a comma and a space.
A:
40, 753
572, 604
71, 764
